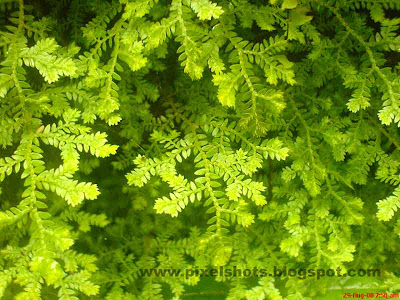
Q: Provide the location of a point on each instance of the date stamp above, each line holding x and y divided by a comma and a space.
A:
371, 295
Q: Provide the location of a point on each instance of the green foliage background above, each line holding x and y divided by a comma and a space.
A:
207, 133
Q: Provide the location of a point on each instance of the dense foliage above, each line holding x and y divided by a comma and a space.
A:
241, 133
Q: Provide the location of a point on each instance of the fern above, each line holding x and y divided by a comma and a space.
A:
206, 134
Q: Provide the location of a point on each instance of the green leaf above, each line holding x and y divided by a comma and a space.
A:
289, 4
298, 16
